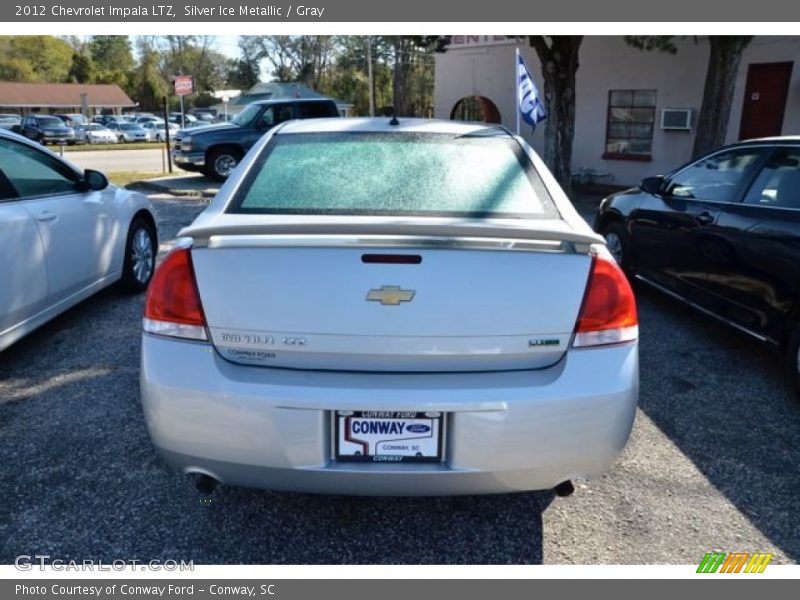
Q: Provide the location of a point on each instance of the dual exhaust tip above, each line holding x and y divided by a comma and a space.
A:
206, 485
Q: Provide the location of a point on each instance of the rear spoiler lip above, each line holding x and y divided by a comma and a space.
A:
393, 233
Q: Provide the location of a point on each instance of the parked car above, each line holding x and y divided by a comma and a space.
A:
378, 307
73, 119
721, 234
9, 121
207, 115
217, 149
94, 133
47, 129
157, 131
105, 120
64, 234
188, 120
129, 132
141, 120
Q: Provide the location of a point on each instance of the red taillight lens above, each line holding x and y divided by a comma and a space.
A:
608, 314
173, 304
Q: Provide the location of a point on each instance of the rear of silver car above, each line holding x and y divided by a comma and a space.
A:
360, 351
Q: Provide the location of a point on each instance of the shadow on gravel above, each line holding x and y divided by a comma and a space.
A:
81, 479
723, 400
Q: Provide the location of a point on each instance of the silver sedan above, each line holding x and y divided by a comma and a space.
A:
379, 307
64, 235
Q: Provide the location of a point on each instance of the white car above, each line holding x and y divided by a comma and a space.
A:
157, 131
129, 132
94, 133
64, 235
390, 307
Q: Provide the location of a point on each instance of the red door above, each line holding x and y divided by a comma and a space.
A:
765, 99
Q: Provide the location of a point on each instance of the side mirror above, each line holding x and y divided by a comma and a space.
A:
652, 185
16, 129
94, 180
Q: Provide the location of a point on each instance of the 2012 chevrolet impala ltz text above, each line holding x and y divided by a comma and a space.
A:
390, 307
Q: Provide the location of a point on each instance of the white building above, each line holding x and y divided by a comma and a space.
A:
622, 132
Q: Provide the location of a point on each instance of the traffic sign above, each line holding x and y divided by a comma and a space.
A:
183, 85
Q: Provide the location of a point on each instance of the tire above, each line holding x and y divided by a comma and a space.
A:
619, 245
221, 161
140, 256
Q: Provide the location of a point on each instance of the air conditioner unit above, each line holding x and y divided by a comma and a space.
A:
676, 118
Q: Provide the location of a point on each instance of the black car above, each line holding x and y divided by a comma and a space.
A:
46, 129
722, 234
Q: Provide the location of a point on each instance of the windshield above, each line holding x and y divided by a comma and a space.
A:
50, 122
247, 115
129, 126
394, 174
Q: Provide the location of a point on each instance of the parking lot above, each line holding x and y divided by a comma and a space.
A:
711, 465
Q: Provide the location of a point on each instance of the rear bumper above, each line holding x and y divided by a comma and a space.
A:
271, 428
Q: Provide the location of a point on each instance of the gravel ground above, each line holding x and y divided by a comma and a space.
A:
712, 464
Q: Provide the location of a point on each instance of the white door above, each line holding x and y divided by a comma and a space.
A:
77, 228
23, 272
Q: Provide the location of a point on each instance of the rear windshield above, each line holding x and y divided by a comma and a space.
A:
405, 174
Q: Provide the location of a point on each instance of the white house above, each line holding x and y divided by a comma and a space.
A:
636, 111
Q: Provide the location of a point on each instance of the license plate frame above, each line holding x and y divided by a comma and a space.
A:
431, 447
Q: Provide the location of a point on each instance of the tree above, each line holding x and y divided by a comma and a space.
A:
148, 86
37, 58
82, 69
725, 54
559, 59
723, 64
349, 75
304, 58
245, 72
112, 58
412, 75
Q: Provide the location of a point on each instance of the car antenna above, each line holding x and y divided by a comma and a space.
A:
394, 120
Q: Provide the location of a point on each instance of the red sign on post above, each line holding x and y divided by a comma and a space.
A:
183, 85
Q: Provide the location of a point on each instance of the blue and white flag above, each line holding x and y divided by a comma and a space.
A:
529, 102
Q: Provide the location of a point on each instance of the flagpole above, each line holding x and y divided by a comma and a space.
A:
516, 86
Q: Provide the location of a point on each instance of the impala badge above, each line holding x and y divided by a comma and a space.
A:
390, 295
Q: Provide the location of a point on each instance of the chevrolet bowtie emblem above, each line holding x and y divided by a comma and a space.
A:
390, 295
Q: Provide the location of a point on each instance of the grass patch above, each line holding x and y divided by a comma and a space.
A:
123, 178
96, 147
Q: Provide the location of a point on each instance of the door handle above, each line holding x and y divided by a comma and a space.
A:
46, 215
704, 218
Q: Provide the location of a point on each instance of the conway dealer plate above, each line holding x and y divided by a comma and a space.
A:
388, 436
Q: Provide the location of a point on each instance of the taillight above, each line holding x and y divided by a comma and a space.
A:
172, 307
608, 314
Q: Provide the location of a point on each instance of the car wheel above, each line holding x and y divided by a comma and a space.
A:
122, 139
140, 257
221, 162
618, 244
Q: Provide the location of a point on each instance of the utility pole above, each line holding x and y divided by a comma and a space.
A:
369, 78
166, 132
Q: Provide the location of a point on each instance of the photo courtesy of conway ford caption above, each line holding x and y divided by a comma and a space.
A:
390, 307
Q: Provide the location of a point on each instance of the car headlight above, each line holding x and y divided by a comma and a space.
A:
186, 144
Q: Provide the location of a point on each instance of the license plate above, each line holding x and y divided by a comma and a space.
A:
388, 436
